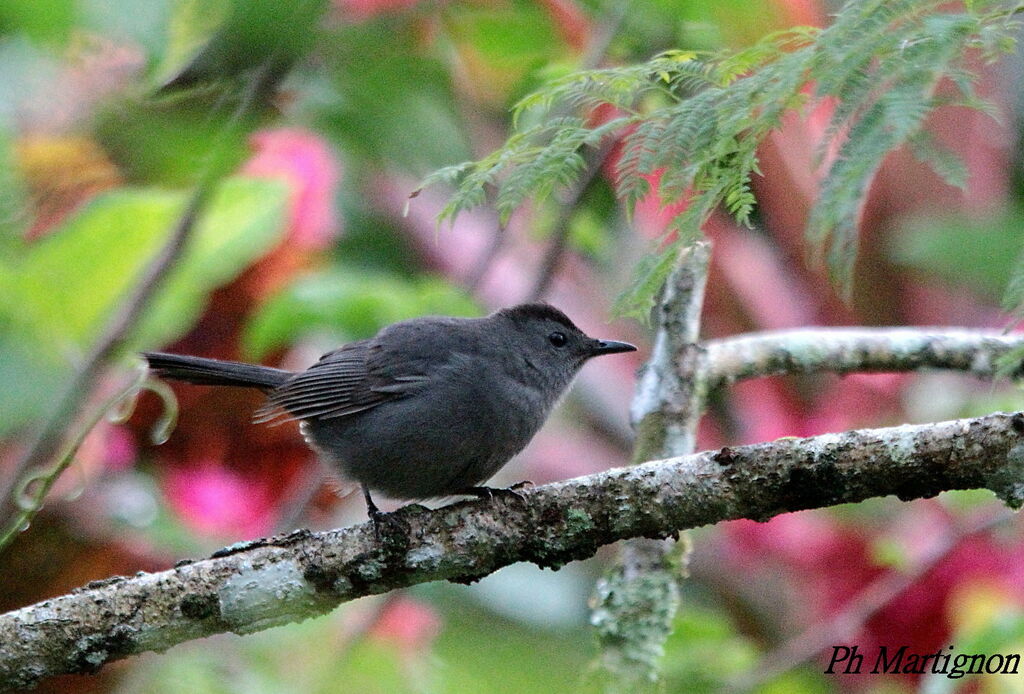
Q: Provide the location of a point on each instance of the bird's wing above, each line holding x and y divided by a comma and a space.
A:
348, 380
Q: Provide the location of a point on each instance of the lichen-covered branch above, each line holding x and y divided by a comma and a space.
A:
668, 400
285, 579
637, 598
847, 350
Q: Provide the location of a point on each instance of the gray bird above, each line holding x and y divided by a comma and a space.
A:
429, 407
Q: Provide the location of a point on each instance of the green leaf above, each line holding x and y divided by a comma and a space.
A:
62, 290
638, 299
71, 281
391, 103
946, 164
699, 119
12, 199
977, 253
1002, 635
32, 373
192, 23
242, 223
42, 20
349, 304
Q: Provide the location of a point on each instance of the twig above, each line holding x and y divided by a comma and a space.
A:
670, 400
563, 224
271, 582
593, 55
486, 259
600, 41
32, 489
846, 350
48, 440
669, 396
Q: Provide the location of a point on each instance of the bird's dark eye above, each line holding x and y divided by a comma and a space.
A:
558, 339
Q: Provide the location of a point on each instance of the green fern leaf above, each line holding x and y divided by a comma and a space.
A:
946, 164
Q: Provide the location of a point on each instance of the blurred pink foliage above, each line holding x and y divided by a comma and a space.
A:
761, 281
409, 624
305, 162
227, 479
94, 69
234, 480
212, 499
108, 446
827, 564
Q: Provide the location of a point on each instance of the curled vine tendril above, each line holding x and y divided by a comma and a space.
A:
33, 488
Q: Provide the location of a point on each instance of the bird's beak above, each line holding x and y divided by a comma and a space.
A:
610, 347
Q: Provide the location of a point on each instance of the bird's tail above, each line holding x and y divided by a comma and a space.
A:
214, 372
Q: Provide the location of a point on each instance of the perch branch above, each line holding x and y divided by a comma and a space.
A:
265, 583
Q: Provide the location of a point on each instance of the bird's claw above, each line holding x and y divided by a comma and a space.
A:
387, 523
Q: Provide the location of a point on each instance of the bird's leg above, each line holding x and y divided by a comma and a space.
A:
491, 492
371, 508
379, 518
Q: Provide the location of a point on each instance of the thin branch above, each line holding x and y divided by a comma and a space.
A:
47, 443
669, 401
846, 350
486, 259
563, 224
270, 582
668, 405
593, 56
50, 437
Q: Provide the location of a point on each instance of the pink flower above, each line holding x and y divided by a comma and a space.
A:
304, 162
216, 500
407, 623
108, 447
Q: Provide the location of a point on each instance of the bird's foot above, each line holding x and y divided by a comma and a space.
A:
387, 524
491, 492
383, 523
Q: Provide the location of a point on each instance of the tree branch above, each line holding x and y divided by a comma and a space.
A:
637, 598
265, 583
846, 350
563, 223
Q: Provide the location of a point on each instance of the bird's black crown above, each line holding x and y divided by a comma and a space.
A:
538, 311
